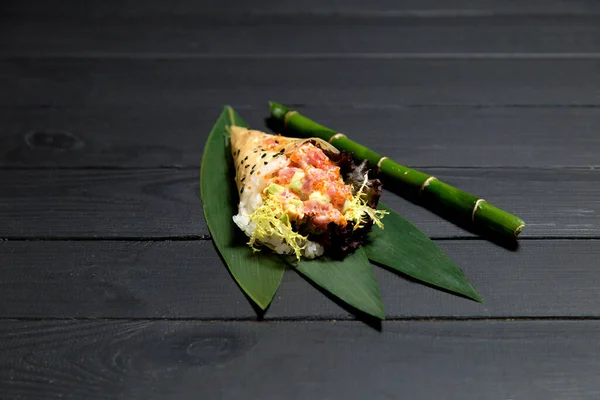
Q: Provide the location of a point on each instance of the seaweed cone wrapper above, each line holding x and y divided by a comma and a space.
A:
255, 153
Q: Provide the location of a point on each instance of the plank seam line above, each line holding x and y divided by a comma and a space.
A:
183, 167
176, 238
312, 319
193, 238
343, 13
302, 56
55, 107
100, 168
521, 238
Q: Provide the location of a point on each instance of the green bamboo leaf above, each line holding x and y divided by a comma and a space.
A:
258, 274
351, 280
401, 246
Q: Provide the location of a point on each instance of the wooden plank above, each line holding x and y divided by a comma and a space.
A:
187, 279
296, 360
336, 7
323, 81
416, 136
296, 34
100, 203
158, 203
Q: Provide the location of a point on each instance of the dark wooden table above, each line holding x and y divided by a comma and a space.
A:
110, 287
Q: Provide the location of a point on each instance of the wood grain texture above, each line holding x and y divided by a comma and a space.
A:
159, 203
299, 360
296, 34
169, 83
153, 136
187, 279
101, 203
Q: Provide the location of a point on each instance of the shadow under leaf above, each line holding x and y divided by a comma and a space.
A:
367, 319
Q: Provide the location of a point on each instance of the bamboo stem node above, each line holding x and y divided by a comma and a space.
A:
287, 117
336, 136
426, 183
477, 203
379, 163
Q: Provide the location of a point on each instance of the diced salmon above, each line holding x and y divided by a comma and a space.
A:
284, 176
320, 174
323, 213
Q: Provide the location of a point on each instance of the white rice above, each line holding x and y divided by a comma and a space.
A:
251, 199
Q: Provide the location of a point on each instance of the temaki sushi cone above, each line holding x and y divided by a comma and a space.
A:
301, 196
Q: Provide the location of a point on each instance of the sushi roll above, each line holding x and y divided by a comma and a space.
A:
301, 196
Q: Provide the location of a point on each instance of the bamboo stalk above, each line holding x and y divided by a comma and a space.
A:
441, 196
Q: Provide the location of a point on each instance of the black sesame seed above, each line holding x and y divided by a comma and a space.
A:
241, 190
243, 179
246, 166
264, 155
246, 158
265, 163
